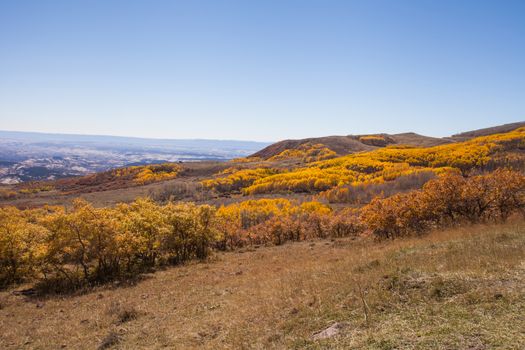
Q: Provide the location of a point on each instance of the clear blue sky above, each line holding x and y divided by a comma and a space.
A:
260, 70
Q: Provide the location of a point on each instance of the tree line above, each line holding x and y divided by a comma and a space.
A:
84, 245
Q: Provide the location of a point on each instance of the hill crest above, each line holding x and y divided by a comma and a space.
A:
343, 145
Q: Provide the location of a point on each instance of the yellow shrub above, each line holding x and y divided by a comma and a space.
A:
157, 172
387, 164
238, 179
307, 152
374, 140
21, 245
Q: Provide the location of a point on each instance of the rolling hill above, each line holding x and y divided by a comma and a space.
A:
343, 145
297, 168
487, 131
200, 254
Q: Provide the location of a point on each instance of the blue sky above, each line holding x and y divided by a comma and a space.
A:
260, 70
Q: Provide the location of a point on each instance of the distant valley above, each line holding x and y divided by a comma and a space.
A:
27, 156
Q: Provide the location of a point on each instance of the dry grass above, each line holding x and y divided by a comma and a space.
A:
459, 289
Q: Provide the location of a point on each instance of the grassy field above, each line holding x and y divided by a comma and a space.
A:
455, 289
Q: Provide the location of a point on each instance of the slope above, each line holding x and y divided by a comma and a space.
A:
459, 289
343, 145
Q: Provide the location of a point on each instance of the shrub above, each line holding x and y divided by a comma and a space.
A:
447, 200
20, 246
238, 179
390, 163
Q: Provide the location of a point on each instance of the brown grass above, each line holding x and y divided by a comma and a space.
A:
458, 289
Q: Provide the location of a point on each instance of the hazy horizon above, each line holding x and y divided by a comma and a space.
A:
129, 136
236, 140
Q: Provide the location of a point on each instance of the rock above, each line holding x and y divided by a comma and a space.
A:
330, 332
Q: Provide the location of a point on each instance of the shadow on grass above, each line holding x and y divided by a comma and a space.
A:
50, 288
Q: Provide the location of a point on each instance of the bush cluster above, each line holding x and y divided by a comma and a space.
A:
87, 245
84, 245
275, 221
447, 200
307, 152
235, 179
389, 163
363, 193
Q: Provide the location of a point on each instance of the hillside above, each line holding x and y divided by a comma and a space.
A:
488, 131
455, 289
343, 145
378, 166
308, 169
206, 260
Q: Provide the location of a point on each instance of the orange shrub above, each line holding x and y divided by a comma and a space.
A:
449, 199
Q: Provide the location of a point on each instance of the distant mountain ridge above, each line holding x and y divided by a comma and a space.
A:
126, 140
343, 145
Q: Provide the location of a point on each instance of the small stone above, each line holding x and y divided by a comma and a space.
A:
330, 332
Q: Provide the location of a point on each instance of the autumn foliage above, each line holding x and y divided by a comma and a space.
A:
389, 163
276, 221
117, 178
374, 140
233, 179
404, 190
85, 245
447, 200
307, 152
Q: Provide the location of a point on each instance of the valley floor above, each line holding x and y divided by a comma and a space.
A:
456, 289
